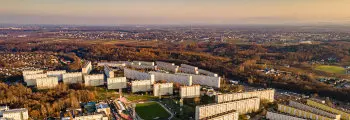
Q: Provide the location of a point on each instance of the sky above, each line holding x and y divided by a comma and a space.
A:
116, 12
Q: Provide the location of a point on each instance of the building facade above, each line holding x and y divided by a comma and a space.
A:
281, 116
94, 80
162, 89
30, 78
225, 116
267, 94
56, 73
344, 115
92, 117
87, 67
190, 91
314, 110
30, 72
242, 106
109, 72
46, 83
301, 113
16, 114
116, 83
174, 78
205, 80
72, 78
137, 75
141, 86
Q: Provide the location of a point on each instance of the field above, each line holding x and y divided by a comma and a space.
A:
151, 110
331, 69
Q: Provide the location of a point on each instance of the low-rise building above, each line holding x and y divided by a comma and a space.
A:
103, 107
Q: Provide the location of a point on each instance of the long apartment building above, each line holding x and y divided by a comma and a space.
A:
312, 109
242, 106
345, 115
281, 116
230, 115
267, 94
302, 113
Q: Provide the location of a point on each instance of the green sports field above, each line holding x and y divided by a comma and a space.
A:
151, 111
331, 69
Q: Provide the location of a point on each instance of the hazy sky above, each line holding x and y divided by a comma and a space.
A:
114, 12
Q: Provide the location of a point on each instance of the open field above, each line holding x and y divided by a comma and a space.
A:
151, 110
331, 69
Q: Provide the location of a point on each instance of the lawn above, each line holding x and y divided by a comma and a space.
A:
331, 69
136, 97
151, 110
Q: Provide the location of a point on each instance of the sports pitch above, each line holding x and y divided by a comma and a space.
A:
331, 69
151, 111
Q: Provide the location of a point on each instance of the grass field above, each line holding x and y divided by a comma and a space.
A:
151, 110
331, 69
